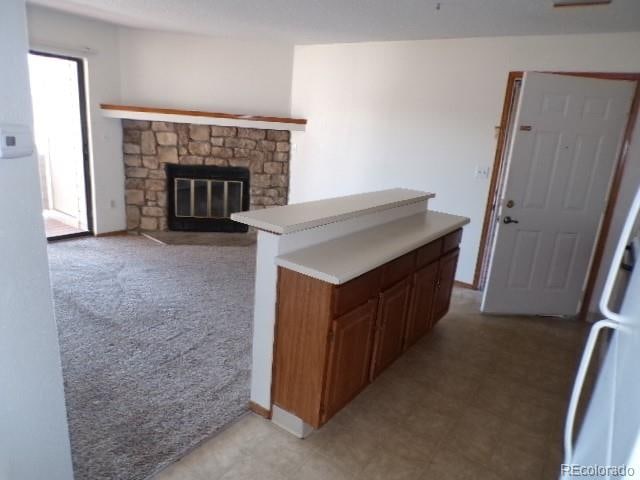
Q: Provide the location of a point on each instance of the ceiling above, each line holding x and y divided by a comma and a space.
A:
336, 21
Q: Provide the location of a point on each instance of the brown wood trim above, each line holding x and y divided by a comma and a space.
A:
274, 348
613, 192
495, 173
583, 4
611, 204
198, 113
466, 285
117, 233
259, 410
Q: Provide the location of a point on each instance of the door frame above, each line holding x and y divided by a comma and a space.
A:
484, 252
84, 127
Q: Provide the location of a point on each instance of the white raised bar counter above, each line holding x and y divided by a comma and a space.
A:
301, 216
345, 258
334, 240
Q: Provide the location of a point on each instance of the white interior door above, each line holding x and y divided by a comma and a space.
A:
568, 131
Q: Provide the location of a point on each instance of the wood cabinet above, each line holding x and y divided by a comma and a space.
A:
392, 313
332, 340
302, 334
350, 343
444, 287
423, 294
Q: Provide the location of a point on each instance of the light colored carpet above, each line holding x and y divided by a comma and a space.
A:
155, 343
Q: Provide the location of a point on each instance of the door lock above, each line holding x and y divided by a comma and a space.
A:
508, 220
510, 204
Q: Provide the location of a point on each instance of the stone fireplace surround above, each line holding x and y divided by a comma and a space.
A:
149, 145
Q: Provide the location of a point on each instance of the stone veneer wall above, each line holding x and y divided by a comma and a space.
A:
148, 146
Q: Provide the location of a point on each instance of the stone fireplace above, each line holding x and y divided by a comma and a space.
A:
206, 195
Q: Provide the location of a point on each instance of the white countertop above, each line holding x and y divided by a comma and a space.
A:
301, 216
345, 258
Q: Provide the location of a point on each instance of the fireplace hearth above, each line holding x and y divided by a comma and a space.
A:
202, 198
250, 165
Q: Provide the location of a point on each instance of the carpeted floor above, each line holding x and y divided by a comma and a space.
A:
155, 343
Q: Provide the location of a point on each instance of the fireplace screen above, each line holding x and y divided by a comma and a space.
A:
202, 198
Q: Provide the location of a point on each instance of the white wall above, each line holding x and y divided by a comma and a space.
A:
143, 67
421, 114
57, 32
34, 440
205, 73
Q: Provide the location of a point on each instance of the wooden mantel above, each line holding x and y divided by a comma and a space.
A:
197, 116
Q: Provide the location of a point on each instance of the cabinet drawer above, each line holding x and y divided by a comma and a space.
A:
356, 292
452, 240
429, 253
397, 269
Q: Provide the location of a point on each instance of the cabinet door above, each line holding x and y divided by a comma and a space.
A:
351, 342
446, 277
423, 294
392, 314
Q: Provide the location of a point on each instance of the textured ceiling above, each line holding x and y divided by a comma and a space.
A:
333, 21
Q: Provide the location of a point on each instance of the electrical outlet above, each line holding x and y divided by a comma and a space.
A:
482, 173
112, 203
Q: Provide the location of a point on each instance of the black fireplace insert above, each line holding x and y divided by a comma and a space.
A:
201, 198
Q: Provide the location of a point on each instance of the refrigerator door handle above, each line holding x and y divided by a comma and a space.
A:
579, 384
617, 261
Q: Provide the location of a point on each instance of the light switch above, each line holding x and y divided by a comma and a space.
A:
482, 173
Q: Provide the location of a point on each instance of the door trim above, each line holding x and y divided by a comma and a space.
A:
86, 156
618, 173
508, 110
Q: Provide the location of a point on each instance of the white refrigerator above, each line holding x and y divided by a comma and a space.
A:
606, 445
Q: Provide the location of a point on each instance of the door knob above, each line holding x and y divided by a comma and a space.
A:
508, 220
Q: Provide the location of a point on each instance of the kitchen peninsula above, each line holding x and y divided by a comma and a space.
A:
343, 287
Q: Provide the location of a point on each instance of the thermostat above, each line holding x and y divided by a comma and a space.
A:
15, 141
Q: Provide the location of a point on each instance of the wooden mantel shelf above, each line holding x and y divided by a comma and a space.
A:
197, 116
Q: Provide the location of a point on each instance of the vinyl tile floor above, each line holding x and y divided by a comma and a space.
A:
479, 398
